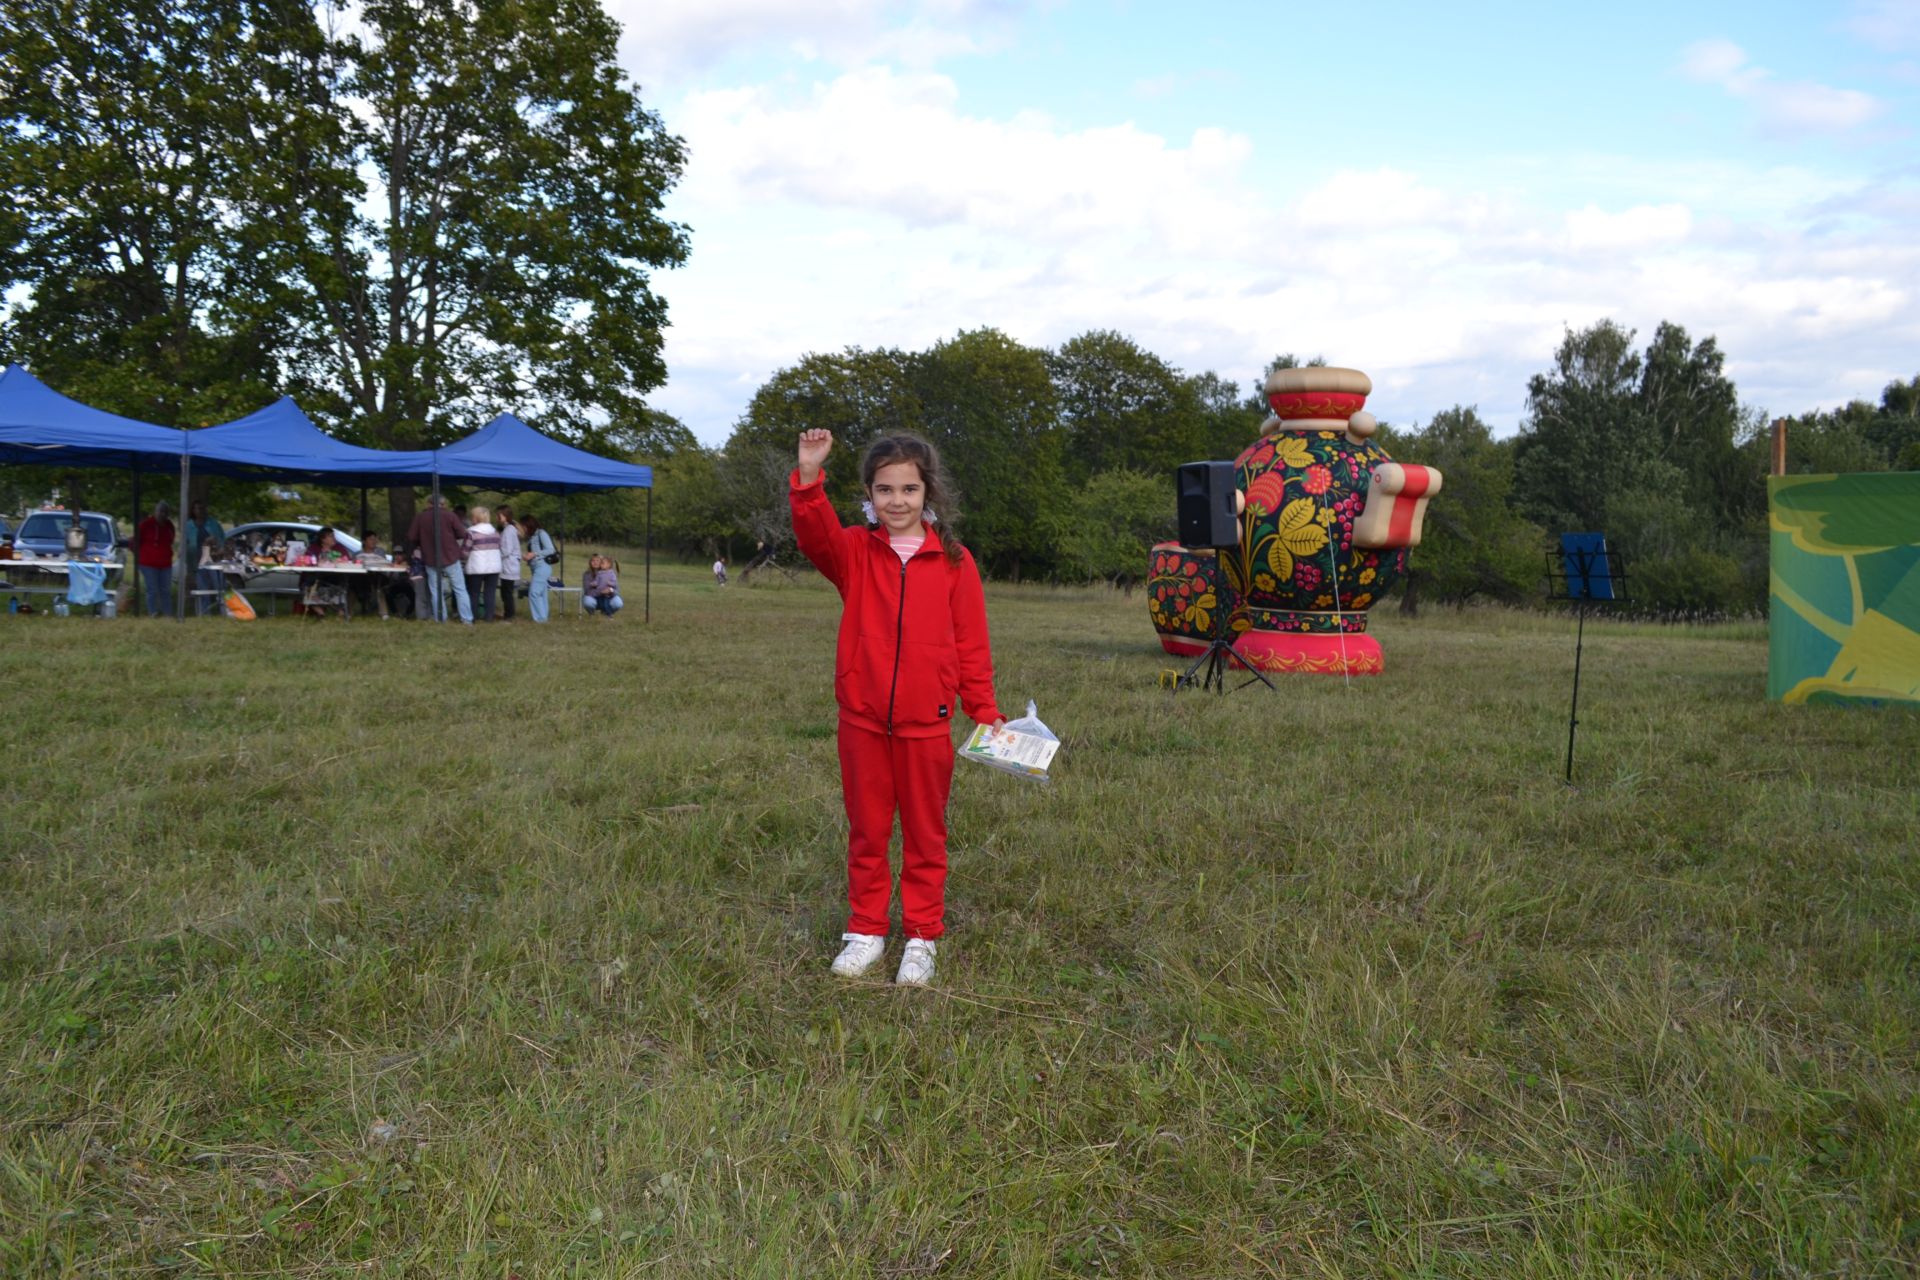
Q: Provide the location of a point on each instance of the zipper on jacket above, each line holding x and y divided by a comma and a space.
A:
899, 627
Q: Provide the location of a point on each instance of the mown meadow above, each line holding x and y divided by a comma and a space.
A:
383, 949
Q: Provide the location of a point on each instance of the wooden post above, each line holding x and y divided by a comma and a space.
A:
1779, 446
134, 600
180, 586
437, 595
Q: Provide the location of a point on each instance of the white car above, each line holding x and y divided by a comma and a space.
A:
254, 538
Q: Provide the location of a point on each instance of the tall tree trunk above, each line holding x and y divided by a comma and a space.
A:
401, 506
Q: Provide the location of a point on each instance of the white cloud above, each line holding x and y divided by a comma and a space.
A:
1721, 62
879, 141
1642, 226
1893, 25
1784, 106
667, 40
871, 209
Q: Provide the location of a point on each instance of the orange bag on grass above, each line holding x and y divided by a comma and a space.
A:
237, 607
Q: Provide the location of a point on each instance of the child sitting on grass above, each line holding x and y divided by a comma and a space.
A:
600, 587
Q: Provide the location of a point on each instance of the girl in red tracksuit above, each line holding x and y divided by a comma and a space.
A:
913, 648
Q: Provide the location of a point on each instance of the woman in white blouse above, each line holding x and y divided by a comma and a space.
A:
483, 562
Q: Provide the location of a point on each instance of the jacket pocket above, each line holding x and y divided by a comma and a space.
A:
929, 680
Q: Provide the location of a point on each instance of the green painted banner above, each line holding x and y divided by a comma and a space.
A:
1844, 612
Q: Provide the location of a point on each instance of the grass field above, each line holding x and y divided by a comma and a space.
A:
394, 950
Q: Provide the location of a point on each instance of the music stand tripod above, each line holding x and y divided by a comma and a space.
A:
1220, 649
1586, 571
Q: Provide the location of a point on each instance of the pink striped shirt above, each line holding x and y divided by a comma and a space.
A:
905, 545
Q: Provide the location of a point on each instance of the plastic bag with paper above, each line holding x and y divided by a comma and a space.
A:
1024, 747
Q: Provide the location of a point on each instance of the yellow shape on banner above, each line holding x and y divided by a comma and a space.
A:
1879, 659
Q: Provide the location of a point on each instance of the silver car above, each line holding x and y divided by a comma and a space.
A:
251, 539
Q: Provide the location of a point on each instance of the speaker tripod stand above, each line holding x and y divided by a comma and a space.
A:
1221, 651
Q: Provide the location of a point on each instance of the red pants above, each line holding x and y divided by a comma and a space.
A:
881, 775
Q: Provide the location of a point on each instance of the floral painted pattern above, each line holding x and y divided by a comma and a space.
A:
1308, 621
1304, 491
1296, 571
1181, 592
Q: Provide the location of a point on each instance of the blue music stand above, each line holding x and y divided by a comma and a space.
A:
1586, 571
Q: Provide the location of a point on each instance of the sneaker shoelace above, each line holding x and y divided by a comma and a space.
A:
918, 959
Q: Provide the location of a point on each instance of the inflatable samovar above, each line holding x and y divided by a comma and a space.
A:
1327, 521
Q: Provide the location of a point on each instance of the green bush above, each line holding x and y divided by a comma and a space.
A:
1693, 584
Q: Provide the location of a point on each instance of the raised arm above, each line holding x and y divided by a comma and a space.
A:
816, 526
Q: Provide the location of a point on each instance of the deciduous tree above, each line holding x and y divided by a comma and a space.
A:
500, 253
1474, 546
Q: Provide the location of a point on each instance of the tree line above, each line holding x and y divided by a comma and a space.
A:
409, 215
1064, 458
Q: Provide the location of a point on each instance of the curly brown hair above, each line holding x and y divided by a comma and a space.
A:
943, 500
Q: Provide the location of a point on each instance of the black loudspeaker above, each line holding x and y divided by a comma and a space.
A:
1206, 514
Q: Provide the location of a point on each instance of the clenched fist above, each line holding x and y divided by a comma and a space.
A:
814, 447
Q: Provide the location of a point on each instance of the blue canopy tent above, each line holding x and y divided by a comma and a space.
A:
509, 454
281, 442
40, 426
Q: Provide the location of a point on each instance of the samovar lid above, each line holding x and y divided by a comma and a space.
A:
1319, 378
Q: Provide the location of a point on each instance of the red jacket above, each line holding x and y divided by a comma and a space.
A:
153, 543
913, 636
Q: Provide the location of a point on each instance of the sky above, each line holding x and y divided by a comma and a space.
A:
1432, 194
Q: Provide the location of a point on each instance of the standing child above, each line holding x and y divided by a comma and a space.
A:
913, 644
509, 563
417, 580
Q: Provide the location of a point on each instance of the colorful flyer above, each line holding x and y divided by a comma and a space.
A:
1011, 750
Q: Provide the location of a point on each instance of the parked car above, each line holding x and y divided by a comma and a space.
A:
248, 539
44, 533
258, 534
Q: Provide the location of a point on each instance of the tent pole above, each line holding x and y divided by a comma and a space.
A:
437, 597
363, 511
180, 579
648, 615
563, 539
134, 607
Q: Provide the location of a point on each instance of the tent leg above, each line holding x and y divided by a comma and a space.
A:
180, 579
436, 586
563, 540
134, 607
647, 616
363, 511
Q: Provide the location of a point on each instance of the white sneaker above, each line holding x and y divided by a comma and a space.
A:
862, 952
916, 966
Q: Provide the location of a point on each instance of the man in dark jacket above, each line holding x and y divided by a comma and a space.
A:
440, 536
